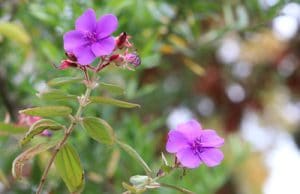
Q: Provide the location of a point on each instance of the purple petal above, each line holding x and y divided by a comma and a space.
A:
103, 47
87, 21
212, 157
84, 55
106, 25
73, 39
191, 129
210, 138
176, 141
188, 159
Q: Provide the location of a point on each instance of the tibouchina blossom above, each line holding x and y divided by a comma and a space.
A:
194, 145
91, 38
28, 120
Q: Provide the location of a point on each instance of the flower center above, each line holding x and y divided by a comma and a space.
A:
197, 146
91, 37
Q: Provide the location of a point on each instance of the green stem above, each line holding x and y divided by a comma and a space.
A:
182, 190
82, 103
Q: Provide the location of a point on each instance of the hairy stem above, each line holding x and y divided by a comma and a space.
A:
82, 103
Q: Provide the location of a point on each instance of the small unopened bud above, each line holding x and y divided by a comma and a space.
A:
133, 58
46, 133
71, 56
66, 64
123, 41
115, 58
139, 179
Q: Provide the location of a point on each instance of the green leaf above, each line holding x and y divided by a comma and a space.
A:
67, 163
19, 162
56, 95
9, 128
14, 32
38, 127
111, 101
135, 156
98, 129
64, 80
48, 111
112, 88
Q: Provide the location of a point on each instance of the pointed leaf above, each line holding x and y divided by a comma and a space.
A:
111, 101
64, 80
98, 129
38, 127
19, 162
112, 88
48, 111
67, 163
56, 95
9, 128
135, 156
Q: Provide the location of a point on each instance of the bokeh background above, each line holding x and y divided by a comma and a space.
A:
233, 65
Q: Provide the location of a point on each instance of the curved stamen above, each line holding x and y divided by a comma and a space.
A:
91, 37
197, 146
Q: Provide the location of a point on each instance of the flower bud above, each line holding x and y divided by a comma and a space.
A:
115, 58
71, 56
66, 64
139, 179
133, 58
46, 133
123, 41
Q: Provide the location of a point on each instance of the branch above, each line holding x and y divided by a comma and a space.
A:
57, 148
7, 101
82, 103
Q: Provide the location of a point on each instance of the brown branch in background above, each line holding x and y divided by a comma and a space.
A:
9, 103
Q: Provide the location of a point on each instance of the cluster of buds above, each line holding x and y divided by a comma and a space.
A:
126, 58
122, 56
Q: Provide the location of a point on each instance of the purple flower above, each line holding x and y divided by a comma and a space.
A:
91, 38
194, 146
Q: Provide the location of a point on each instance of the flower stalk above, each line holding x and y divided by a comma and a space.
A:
83, 101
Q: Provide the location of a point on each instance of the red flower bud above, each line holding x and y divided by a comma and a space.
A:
66, 64
71, 56
114, 57
123, 41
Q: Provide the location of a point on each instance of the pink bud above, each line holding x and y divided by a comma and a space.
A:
133, 58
